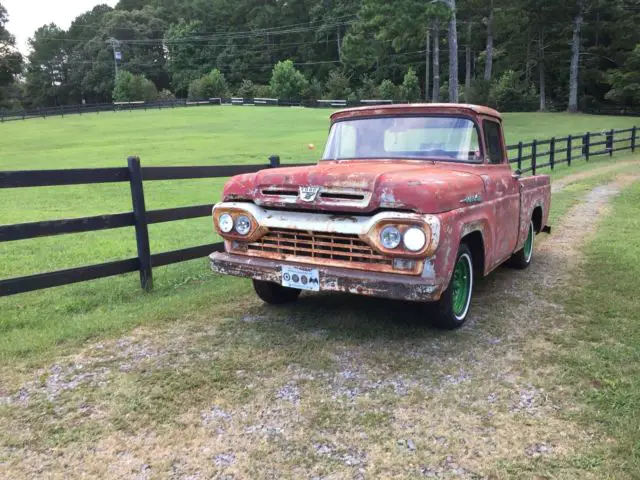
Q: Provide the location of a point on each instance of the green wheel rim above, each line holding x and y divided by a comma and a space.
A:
528, 245
461, 284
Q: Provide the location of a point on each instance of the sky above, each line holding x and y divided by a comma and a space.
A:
26, 16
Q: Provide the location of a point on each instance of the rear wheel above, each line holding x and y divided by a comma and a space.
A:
450, 312
275, 294
522, 258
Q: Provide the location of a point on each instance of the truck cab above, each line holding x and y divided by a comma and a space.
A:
409, 202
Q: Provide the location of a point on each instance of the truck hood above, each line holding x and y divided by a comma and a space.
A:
361, 186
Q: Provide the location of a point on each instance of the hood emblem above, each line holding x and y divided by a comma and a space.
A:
308, 193
472, 199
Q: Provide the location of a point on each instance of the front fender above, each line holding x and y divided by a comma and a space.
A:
455, 225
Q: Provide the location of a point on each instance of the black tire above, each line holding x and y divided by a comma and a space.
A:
522, 258
444, 314
275, 294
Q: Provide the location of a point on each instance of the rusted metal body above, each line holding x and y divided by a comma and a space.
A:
336, 226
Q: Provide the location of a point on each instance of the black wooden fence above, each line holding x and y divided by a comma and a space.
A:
62, 110
532, 156
528, 158
139, 218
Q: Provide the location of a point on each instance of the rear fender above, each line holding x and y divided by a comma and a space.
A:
535, 192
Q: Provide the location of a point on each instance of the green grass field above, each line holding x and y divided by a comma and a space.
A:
33, 323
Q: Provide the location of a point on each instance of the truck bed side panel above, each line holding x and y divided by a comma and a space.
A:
536, 192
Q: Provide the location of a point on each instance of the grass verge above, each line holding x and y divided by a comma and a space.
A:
601, 355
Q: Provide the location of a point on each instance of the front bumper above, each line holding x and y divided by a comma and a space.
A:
333, 279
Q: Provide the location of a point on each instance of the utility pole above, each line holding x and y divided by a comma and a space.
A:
115, 45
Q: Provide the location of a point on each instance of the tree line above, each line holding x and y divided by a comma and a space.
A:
511, 54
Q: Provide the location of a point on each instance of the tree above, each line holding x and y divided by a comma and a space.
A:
453, 53
435, 96
625, 82
575, 58
186, 60
488, 66
47, 71
287, 83
173, 43
10, 58
410, 88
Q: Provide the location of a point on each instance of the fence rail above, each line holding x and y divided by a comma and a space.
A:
62, 110
527, 158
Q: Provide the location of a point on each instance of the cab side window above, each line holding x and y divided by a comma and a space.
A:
493, 140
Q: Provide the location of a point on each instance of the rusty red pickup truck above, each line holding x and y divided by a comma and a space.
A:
409, 202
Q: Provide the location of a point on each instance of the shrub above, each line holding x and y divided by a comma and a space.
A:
338, 85
313, 91
444, 92
410, 88
212, 85
246, 89
263, 91
287, 82
388, 90
369, 89
165, 94
133, 88
511, 94
479, 92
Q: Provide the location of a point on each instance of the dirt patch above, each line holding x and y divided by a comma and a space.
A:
559, 185
333, 387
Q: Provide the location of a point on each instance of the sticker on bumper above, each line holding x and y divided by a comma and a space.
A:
301, 278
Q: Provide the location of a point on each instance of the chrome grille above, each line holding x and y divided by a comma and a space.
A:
332, 247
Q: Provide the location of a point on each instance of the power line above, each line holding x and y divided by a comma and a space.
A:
282, 30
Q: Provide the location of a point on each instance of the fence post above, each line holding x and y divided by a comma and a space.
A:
274, 161
140, 219
569, 150
534, 151
585, 145
519, 155
610, 134
552, 152
633, 138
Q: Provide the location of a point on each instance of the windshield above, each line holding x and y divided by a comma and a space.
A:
447, 138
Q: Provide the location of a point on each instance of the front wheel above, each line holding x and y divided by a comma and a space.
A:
275, 294
450, 312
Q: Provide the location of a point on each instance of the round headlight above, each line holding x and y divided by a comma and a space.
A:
415, 239
225, 222
243, 225
390, 237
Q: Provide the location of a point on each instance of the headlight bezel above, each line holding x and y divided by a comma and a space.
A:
255, 231
373, 238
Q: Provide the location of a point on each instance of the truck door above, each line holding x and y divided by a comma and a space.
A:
502, 191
